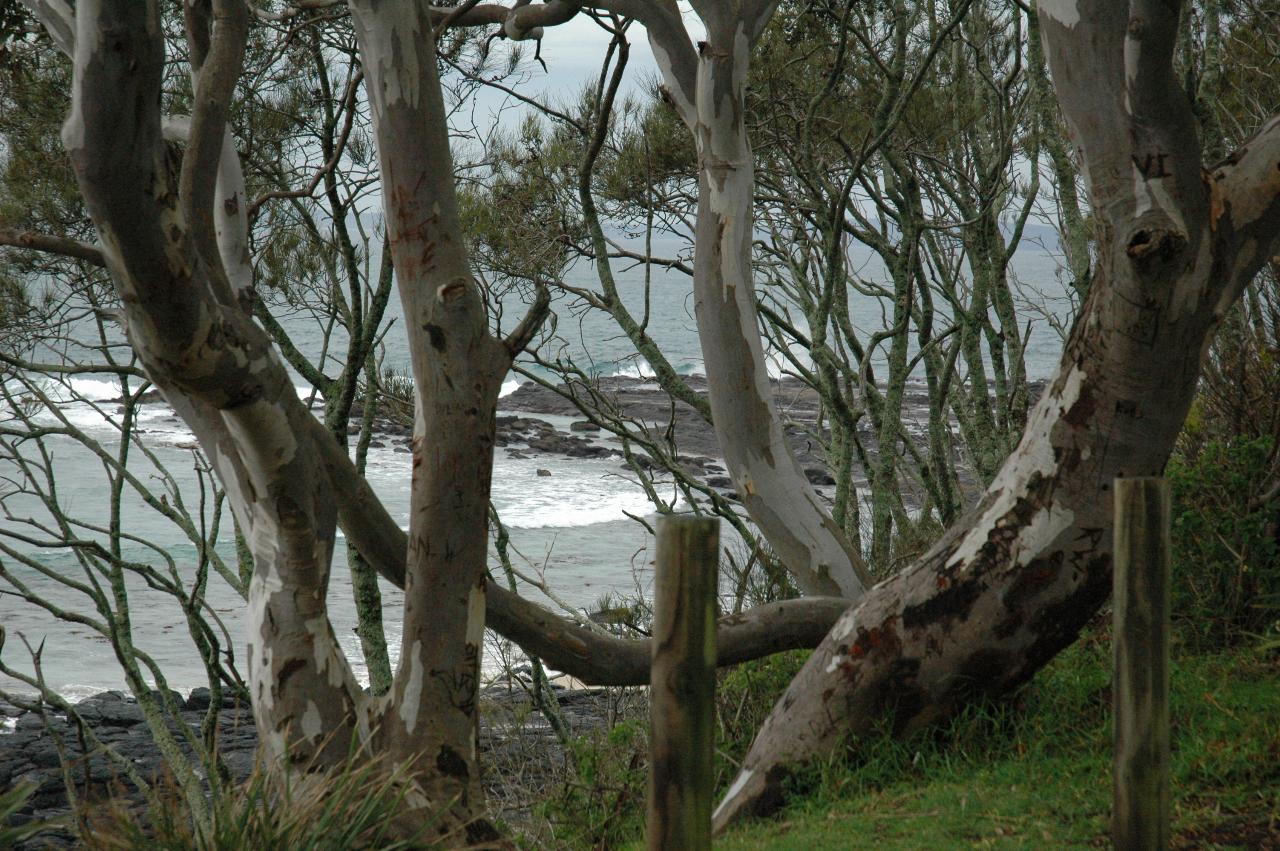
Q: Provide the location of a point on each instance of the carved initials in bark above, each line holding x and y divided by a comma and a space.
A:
1152, 167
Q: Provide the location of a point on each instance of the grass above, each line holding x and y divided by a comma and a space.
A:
1035, 772
347, 807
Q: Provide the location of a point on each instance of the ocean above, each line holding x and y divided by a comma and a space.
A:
571, 528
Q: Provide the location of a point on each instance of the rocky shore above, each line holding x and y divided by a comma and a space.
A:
523, 433
519, 750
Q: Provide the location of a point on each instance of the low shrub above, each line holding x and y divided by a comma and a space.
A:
1226, 547
12, 801
601, 803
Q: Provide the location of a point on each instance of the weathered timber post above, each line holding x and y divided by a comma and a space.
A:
682, 684
1140, 802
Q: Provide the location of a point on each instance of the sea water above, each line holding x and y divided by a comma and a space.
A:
572, 530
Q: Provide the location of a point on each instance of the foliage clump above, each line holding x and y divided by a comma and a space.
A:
1226, 552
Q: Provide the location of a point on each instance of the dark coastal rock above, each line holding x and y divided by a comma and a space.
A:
548, 443
644, 462
199, 699
819, 476
589, 451
151, 397
642, 400
524, 435
518, 745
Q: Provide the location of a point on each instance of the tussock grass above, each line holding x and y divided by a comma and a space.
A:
348, 807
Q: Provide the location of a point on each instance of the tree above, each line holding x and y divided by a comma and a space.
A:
1000, 594
170, 224
1006, 589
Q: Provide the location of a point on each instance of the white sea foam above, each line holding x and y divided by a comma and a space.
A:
578, 494
76, 692
93, 389
639, 368
509, 386
561, 514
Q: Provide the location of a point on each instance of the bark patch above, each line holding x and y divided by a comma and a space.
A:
883, 637
1032, 580
1057, 625
950, 603
436, 335
451, 764
287, 670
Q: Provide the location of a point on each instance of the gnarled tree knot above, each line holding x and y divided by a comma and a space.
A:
1149, 247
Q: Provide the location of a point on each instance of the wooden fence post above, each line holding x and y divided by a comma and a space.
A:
1140, 802
682, 684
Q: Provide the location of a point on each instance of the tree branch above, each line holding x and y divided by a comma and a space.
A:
587, 655
215, 80
522, 335
58, 21
50, 244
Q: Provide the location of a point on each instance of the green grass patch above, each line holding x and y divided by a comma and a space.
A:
1035, 771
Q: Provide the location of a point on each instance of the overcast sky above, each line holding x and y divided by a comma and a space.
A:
573, 53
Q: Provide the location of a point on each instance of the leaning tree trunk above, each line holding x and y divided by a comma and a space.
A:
1010, 587
708, 90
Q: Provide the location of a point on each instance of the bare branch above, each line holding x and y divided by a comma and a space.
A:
51, 244
520, 338
583, 653
339, 148
58, 21
215, 81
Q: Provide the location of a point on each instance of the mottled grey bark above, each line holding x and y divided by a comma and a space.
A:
214, 365
1012, 585
708, 88
458, 369
179, 270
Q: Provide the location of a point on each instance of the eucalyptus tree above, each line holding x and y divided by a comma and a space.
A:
1002, 592
89, 569
1178, 241
173, 235
310, 181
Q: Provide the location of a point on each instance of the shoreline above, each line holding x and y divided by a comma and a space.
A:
517, 748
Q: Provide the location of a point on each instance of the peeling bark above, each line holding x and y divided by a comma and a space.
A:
458, 367
1011, 585
769, 481
216, 368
